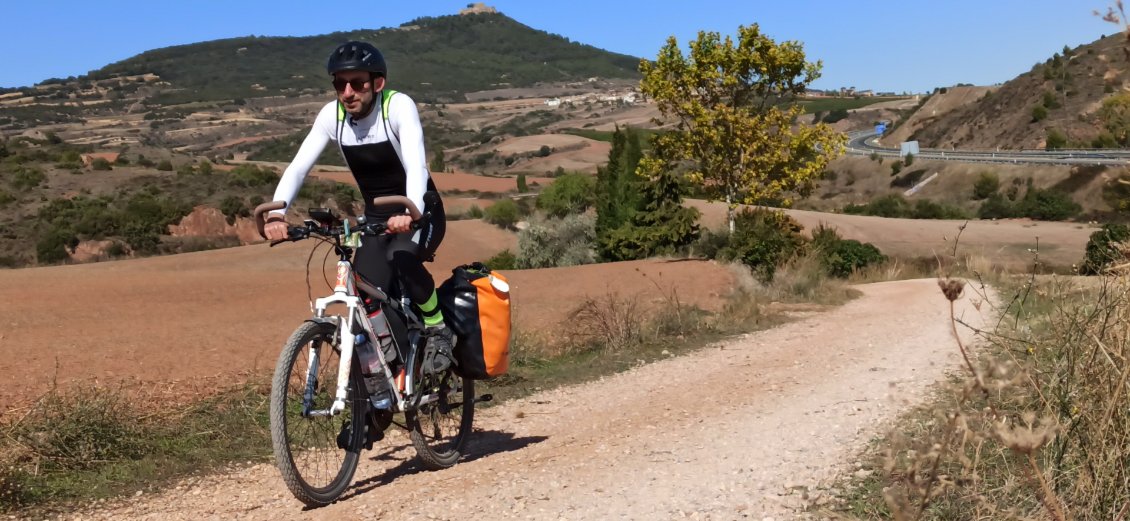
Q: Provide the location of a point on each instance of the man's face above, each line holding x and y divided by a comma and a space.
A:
355, 89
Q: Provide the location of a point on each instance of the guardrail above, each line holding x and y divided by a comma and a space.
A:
862, 143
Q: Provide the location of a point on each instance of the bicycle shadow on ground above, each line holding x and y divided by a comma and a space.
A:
408, 465
489, 443
481, 445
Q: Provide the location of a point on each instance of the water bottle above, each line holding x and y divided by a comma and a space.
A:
366, 355
384, 335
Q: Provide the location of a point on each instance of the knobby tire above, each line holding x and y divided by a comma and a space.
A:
439, 431
299, 442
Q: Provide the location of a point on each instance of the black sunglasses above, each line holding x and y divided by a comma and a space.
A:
358, 84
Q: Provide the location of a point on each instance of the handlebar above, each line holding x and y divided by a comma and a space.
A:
297, 233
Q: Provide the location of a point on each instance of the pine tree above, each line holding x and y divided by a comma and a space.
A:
437, 164
618, 191
661, 225
607, 217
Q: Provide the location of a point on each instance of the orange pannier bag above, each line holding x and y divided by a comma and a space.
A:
476, 306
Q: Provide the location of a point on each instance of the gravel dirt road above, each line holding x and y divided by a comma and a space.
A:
744, 429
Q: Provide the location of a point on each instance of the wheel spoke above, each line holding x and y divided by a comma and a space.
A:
440, 428
308, 448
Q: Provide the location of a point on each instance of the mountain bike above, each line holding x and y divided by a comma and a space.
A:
326, 405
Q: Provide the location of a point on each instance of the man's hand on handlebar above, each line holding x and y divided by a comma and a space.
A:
399, 223
276, 228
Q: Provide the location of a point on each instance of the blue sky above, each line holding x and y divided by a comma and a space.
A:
910, 45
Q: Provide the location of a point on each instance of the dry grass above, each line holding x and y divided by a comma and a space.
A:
1036, 425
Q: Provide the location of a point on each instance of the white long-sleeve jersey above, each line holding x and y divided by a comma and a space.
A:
384, 150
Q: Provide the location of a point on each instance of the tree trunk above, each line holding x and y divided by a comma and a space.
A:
730, 210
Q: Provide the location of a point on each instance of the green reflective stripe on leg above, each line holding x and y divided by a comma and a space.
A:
432, 314
430, 306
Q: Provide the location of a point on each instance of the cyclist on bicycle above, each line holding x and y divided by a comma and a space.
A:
379, 134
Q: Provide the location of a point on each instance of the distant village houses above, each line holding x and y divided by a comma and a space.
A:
630, 97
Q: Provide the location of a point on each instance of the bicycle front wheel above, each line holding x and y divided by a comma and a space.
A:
316, 453
440, 426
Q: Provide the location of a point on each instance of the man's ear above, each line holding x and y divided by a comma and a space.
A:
378, 83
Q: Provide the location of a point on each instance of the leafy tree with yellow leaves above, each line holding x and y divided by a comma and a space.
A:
734, 114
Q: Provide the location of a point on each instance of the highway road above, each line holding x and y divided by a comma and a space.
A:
862, 143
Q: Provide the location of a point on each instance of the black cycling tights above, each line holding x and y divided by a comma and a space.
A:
381, 254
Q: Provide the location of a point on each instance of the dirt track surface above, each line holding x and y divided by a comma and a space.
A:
737, 430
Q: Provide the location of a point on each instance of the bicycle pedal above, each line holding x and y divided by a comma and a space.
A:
372, 436
344, 436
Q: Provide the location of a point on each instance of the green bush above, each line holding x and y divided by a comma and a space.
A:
569, 194
1103, 248
762, 240
909, 179
891, 205
1047, 205
996, 206
842, 257
232, 207
100, 163
503, 260
547, 243
27, 177
522, 186
1050, 100
986, 185
849, 255
711, 242
1056, 140
165, 165
70, 156
835, 115
927, 209
1116, 193
251, 176
52, 247
503, 213
1039, 113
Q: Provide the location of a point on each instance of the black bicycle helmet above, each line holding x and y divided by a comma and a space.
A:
357, 56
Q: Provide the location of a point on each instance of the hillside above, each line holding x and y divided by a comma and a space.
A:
1061, 97
437, 59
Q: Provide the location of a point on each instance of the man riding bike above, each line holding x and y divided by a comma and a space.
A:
379, 134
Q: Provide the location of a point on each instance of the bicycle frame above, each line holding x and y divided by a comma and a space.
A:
345, 292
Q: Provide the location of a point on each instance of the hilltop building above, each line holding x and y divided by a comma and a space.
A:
476, 8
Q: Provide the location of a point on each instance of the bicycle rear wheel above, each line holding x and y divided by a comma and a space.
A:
439, 428
316, 453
